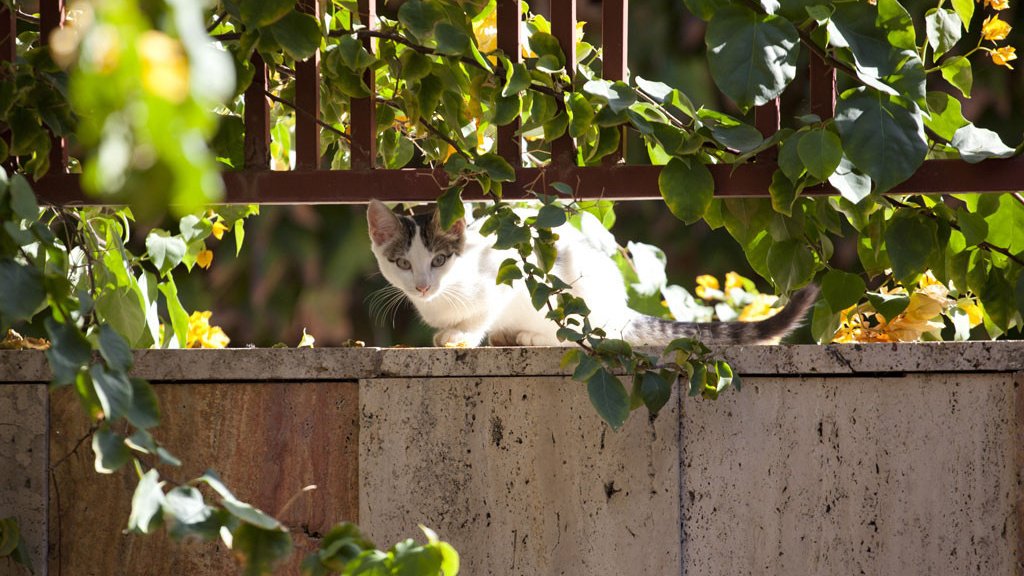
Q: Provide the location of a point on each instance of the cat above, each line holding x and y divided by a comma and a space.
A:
449, 276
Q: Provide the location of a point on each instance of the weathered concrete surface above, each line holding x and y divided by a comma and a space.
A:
914, 475
334, 364
23, 475
266, 441
520, 475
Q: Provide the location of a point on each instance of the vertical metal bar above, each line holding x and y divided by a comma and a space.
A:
767, 119
257, 118
8, 51
509, 145
307, 100
615, 47
51, 17
823, 88
364, 110
563, 26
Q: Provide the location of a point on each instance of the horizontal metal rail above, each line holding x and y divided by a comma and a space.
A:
617, 182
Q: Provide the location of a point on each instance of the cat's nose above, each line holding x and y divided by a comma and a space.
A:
423, 289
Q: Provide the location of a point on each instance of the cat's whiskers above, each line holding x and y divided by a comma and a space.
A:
384, 302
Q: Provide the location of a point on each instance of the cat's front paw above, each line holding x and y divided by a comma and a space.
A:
455, 338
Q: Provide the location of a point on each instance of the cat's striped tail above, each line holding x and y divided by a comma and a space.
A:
648, 330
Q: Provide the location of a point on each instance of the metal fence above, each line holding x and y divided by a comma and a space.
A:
308, 183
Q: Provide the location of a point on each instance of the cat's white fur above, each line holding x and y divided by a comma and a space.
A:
462, 301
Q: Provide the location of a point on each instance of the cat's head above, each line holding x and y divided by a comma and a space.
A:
414, 253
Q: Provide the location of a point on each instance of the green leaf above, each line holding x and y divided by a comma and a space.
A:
752, 56
147, 502
791, 264
888, 305
783, 193
124, 309
259, 549
357, 58
297, 33
165, 250
881, 136
69, 351
851, 184
910, 238
824, 322
789, 157
698, 379
582, 115
687, 188
842, 289
178, 316
451, 40
23, 199
1019, 294
898, 26
943, 29
957, 71
496, 167
972, 226
114, 349
705, 9
509, 271
609, 397
22, 291
550, 216
114, 391
517, 79
415, 66
419, 17
450, 207
976, 144
820, 151
945, 117
186, 506
546, 45
260, 13
655, 391
144, 411
965, 10
110, 450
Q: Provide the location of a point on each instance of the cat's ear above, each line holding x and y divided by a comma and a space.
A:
456, 229
382, 222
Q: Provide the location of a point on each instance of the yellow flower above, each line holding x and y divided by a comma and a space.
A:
204, 259
707, 286
219, 229
486, 32
202, 335
998, 4
995, 29
973, 311
759, 309
164, 66
1002, 56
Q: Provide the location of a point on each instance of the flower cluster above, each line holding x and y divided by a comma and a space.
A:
920, 320
995, 30
739, 300
202, 335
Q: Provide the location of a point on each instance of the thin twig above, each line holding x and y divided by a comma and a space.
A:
306, 113
432, 129
216, 22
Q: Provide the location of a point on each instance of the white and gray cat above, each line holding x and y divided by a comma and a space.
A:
449, 276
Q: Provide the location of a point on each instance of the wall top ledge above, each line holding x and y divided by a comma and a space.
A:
332, 364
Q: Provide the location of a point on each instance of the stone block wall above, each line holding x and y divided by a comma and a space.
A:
882, 459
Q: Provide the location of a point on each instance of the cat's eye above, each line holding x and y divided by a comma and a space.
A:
403, 264
439, 260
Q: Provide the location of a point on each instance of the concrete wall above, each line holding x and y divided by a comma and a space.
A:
880, 459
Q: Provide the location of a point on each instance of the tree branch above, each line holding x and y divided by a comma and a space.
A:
307, 113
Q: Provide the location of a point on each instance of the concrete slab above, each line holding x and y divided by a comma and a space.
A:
913, 475
23, 464
519, 475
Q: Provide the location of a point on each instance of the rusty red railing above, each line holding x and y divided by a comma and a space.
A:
308, 183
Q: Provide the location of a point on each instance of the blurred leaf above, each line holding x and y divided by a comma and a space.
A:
261, 13
110, 450
114, 349
146, 504
114, 391
23, 292
450, 207
69, 351
23, 199
259, 550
